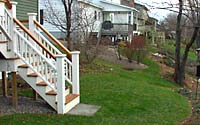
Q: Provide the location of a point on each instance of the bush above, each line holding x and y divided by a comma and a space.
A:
130, 52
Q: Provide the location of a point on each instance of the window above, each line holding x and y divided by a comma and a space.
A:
99, 15
112, 17
129, 18
42, 16
95, 15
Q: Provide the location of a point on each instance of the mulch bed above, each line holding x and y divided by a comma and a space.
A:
111, 55
25, 105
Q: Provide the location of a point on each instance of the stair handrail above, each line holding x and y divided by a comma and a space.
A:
43, 39
57, 42
41, 55
33, 37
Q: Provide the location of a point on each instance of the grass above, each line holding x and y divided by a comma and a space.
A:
138, 97
170, 46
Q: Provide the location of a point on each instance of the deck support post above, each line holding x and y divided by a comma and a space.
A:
4, 84
14, 89
35, 95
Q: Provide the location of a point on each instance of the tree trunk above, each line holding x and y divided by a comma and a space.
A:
67, 5
185, 56
177, 73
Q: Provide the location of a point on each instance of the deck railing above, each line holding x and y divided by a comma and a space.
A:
40, 55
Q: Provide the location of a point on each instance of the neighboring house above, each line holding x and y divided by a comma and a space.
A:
122, 17
142, 17
26, 6
148, 25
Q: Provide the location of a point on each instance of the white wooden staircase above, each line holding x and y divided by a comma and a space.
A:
52, 74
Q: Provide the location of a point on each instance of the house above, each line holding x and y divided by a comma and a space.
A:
148, 25
122, 17
142, 17
26, 6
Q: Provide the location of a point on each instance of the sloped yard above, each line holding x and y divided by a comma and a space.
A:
126, 97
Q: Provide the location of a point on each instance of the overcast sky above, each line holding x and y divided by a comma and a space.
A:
157, 13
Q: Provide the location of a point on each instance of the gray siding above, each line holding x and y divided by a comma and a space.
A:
26, 6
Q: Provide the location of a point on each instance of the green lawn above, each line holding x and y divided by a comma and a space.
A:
171, 48
126, 97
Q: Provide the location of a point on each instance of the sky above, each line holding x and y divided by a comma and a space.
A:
157, 13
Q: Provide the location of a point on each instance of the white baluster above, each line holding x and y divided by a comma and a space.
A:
60, 83
75, 72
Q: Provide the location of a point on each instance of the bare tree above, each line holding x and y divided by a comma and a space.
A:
87, 40
64, 18
190, 10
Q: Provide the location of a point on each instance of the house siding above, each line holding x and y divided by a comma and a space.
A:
119, 17
26, 6
58, 8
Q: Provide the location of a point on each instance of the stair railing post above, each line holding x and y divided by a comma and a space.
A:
60, 83
2, 6
12, 27
75, 72
31, 18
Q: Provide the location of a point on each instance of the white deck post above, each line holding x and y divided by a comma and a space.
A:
13, 27
60, 83
14, 9
75, 72
2, 6
31, 18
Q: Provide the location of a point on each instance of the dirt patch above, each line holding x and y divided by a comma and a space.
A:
111, 55
191, 121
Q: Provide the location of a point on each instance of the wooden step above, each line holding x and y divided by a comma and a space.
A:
3, 42
32, 75
23, 66
26, 66
41, 84
15, 58
52, 92
70, 97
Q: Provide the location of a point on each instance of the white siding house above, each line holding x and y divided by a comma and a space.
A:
93, 14
121, 16
44, 11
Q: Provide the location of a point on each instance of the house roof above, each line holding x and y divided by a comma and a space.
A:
90, 3
152, 18
137, 4
119, 5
